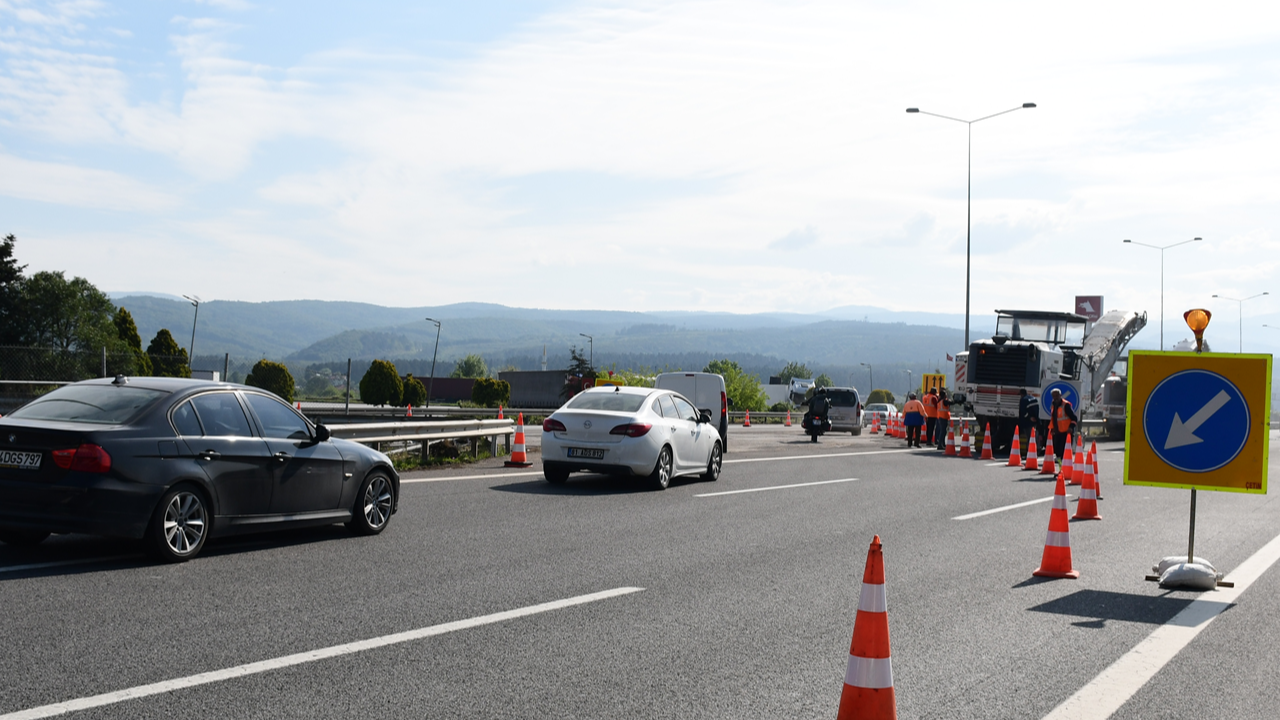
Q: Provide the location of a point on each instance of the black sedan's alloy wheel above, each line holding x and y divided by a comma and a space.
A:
373, 505
179, 526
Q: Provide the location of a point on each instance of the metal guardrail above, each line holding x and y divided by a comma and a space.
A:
425, 431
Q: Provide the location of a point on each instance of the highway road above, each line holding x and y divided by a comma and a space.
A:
494, 594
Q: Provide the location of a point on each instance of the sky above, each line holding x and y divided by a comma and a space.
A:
740, 156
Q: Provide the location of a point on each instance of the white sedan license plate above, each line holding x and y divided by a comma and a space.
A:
20, 460
588, 453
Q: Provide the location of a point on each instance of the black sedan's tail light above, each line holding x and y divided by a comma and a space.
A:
631, 429
550, 425
86, 458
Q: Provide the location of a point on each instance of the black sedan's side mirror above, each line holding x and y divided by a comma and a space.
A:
322, 433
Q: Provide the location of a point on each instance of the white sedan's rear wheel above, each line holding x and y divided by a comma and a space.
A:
713, 464
660, 478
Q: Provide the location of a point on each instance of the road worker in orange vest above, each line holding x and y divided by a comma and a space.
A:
930, 414
1062, 422
913, 419
944, 420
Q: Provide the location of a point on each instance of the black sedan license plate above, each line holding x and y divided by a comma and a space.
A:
20, 460
589, 453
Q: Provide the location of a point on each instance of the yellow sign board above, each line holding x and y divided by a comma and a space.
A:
1198, 421
932, 380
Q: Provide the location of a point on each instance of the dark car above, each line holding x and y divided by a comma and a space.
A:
175, 462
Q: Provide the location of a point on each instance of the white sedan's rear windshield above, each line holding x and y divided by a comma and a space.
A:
102, 404
611, 401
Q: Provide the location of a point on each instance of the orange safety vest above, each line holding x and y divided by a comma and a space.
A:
931, 406
1061, 422
944, 412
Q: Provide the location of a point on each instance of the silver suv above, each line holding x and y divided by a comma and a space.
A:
846, 410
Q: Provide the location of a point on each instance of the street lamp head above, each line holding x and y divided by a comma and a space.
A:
1028, 105
913, 110
1128, 241
1196, 239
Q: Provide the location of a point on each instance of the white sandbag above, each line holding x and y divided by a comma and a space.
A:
1191, 576
1172, 560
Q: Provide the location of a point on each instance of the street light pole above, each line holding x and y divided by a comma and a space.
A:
1162, 248
591, 343
431, 380
1240, 303
968, 234
871, 377
191, 353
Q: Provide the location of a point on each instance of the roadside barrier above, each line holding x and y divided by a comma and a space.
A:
1015, 452
868, 680
986, 444
1033, 463
1087, 504
1056, 561
518, 457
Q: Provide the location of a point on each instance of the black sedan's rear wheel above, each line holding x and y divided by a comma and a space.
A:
22, 538
179, 526
373, 505
660, 478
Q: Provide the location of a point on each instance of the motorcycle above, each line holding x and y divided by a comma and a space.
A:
815, 422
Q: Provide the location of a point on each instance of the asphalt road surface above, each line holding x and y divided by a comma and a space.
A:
494, 594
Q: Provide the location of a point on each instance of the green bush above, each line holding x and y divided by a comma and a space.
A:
744, 390
471, 366
488, 392
273, 377
780, 407
168, 359
880, 396
415, 393
381, 385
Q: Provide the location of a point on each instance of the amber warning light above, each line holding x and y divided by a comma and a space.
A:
1198, 319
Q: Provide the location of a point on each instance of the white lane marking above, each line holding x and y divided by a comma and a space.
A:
993, 511
775, 487
1113, 687
60, 563
165, 686
998, 464
404, 481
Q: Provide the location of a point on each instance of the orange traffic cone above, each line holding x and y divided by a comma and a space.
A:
868, 681
298, 405
1097, 477
500, 413
1087, 505
409, 412
747, 421
875, 425
900, 430
1077, 464
1033, 463
788, 419
518, 458
986, 444
1046, 468
1065, 474
1056, 561
1015, 452
965, 451
951, 441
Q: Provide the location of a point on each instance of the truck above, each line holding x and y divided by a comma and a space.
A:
1039, 351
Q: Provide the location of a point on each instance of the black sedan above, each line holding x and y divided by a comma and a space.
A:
176, 462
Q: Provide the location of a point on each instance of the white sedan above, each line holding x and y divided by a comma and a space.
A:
657, 434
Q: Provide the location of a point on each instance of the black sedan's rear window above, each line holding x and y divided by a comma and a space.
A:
611, 401
99, 404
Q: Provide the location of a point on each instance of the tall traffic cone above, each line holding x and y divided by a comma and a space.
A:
788, 424
1077, 463
1087, 505
1056, 561
1097, 477
868, 680
1065, 474
986, 444
1046, 468
964, 442
1015, 452
951, 441
500, 413
409, 411
875, 425
1033, 463
747, 421
518, 458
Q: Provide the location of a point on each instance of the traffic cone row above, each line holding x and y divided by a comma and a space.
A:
986, 444
1015, 452
1033, 463
868, 680
518, 457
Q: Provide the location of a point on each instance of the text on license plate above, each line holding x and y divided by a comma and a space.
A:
586, 453
21, 460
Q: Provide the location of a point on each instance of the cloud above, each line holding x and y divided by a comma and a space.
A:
796, 239
79, 187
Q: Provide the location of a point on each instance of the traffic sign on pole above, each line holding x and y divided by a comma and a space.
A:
1198, 421
1069, 394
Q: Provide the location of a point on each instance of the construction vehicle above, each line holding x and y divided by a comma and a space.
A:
1040, 351
1113, 397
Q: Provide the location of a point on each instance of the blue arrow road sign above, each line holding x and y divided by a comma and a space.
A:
1196, 421
1068, 393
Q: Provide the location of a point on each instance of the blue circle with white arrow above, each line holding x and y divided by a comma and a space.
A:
1068, 393
1196, 421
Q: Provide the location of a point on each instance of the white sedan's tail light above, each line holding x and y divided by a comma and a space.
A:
631, 429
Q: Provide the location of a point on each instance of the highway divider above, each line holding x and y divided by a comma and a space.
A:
375, 434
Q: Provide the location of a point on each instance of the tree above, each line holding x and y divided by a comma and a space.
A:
67, 314
794, 370
168, 359
12, 325
822, 381
579, 370
743, 390
471, 366
381, 384
127, 331
414, 393
880, 396
488, 392
273, 377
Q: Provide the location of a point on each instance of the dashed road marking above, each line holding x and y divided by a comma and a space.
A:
777, 487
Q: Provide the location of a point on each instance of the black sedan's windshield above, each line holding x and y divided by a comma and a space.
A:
99, 404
